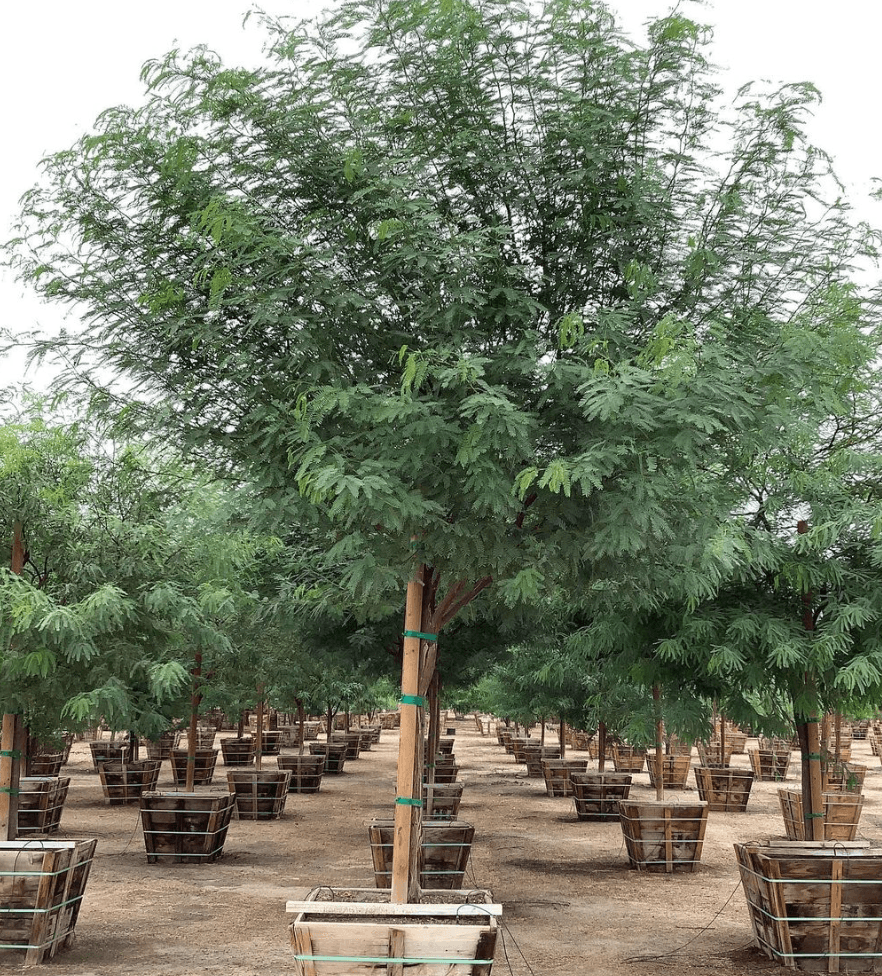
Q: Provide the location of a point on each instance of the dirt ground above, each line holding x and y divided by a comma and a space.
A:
571, 904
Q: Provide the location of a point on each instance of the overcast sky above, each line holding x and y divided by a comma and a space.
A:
63, 61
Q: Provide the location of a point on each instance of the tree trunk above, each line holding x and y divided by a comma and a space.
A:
659, 746
563, 739
601, 746
195, 699
258, 746
301, 735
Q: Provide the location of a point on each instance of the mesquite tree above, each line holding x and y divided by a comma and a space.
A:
481, 291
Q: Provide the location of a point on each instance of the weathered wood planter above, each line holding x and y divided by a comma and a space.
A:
204, 737
536, 755
334, 754
675, 771
597, 795
815, 906
445, 746
162, 747
306, 772
769, 765
842, 813
271, 742
357, 932
518, 747
628, 759
724, 789
557, 775
185, 827
41, 801
260, 793
125, 782
709, 753
445, 772
352, 741
203, 767
103, 752
45, 764
663, 836
238, 752
444, 852
844, 778
446, 799
41, 890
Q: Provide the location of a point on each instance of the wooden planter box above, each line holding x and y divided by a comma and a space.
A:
444, 852
675, 771
444, 773
519, 745
557, 775
842, 813
352, 741
306, 772
260, 793
448, 932
769, 765
41, 890
536, 755
162, 747
125, 782
445, 746
203, 771
844, 778
103, 752
45, 764
726, 790
628, 759
204, 737
40, 803
663, 836
334, 753
271, 744
238, 752
814, 906
446, 798
597, 795
709, 754
185, 827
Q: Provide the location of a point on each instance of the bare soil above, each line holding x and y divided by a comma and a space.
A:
571, 904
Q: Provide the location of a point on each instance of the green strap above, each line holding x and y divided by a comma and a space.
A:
417, 700
10, 790
408, 801
421, 635
812, 816
11, 753
811, 755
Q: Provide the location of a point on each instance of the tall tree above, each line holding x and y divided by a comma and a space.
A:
484, 291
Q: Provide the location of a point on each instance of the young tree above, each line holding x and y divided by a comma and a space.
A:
482, 290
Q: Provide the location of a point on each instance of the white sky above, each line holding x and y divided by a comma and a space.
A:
63, 61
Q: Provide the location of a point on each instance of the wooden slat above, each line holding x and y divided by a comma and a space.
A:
396, 951
387, 908
835, 914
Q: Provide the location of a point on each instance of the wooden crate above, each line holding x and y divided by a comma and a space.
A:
536, 755
726, 790
271, 742
103, 752
844, 777
597, 795
770, 765
814, 906
125, 782
557, 775
444, 852
204, 765
185, 827
40, 803
45, 764
260, 793
41, 891
352, 741
306, 772
446, 799
842, 814
238, 751
162, 747
663, 836
709, 753
675, 770
628, 759
334, 753
357, 932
